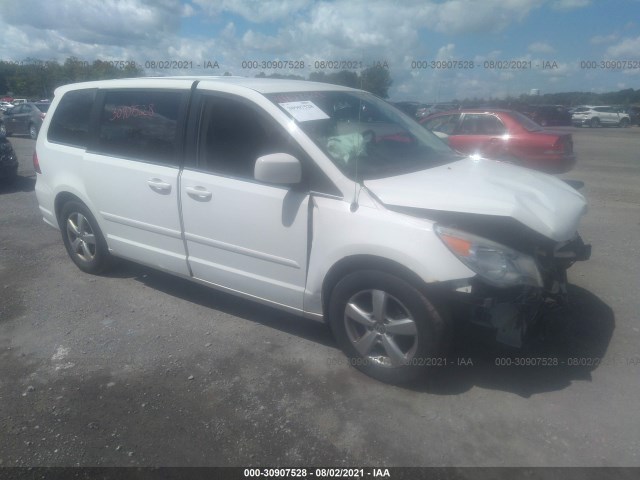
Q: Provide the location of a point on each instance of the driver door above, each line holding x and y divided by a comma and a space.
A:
241, 234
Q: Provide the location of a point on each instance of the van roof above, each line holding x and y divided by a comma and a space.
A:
261, 85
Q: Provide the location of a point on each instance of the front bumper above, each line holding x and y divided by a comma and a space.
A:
579, 122
512, 312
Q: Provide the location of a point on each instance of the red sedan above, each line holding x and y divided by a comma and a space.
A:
504, 135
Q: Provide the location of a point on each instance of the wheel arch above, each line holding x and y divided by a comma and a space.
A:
61, 199
354, 263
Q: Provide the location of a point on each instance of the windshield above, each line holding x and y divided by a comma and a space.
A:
364, 136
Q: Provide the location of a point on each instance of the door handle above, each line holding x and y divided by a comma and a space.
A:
198, 193
159, 186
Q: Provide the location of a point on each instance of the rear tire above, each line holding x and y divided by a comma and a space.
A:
83, 238
385, 326
10, 178
33, 131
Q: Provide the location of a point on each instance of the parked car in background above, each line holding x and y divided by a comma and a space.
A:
442, 107
548, 115
4, 106
8, 161
597, 116
634, 114
413, 109
25, 118
504, 135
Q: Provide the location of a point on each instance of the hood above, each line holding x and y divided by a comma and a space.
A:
487, 187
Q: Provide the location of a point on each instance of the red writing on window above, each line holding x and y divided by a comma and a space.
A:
128, 111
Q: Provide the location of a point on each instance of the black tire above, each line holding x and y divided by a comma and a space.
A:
92, 257
624, 123
404, 303
33, 131
594, 123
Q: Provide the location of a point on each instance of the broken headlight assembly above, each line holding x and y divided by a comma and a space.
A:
497, 264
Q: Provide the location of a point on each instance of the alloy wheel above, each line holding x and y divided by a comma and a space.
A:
81, 237
381, 328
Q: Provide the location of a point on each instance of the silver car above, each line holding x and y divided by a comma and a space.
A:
600, 116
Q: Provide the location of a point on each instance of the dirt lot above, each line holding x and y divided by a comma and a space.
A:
140, 368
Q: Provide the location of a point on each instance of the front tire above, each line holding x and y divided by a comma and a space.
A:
595, 123
624, 123
83, 238
385, 326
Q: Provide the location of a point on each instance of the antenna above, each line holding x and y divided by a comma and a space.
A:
354, 203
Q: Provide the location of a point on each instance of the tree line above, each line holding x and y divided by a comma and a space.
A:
375, 79
38, 79
624, 97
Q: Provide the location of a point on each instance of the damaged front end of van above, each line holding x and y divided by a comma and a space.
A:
516, 229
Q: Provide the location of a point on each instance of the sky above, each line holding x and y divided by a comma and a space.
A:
435, 50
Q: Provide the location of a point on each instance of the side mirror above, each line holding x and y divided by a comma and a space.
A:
278, 168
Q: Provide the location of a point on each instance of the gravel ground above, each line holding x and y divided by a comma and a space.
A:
138, 368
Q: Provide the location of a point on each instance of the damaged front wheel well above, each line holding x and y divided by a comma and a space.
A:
370, 262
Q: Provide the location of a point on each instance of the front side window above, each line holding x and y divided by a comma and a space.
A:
141, 125
70, 122
362, 135
233, 135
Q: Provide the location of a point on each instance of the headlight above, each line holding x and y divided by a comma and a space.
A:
498, 264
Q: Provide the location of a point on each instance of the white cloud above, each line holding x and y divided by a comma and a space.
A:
103, 22
541, 47
458, 16
600, 39
629, 47
447, 52
570, 4
256, 11
188, 10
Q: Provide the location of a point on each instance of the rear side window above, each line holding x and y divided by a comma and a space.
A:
70, 122
445, 124
481, 124
141, 125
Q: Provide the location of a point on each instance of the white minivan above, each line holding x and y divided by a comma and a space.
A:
322, 200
